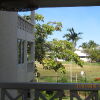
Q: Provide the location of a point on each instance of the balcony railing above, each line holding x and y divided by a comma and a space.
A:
24, 25
55, 90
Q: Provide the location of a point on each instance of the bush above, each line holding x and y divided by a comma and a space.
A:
63, 79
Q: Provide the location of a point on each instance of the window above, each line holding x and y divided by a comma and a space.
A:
83, 56
29, 51
20, 51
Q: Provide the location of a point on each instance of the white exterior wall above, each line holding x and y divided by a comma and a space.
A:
8, 51
22, 71
10, 70
85, 59
81, 54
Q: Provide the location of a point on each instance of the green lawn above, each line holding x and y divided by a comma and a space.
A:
92, 71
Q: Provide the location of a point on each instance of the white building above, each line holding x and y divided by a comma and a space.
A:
83, 56
16, 48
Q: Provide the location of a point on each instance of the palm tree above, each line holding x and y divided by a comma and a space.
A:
84, 45
90, 45
72, 36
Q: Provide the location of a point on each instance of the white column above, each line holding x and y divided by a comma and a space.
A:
32, 17
33, 44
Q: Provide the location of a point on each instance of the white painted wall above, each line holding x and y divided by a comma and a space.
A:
8, 47
22, 70
83, 56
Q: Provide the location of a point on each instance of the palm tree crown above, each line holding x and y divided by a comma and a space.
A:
72, 36
90, 45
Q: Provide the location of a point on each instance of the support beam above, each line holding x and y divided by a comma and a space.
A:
26, 5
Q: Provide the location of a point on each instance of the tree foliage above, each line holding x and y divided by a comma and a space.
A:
60, 49
89, 45
94, 54
41, 34
38, 17
63, 49
51, 64
46, 52
91, 48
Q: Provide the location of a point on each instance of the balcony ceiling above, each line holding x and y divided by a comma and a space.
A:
25, 5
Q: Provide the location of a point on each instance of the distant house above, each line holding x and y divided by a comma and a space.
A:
83, 56
98, 47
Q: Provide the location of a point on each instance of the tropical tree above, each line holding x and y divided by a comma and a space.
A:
91, 48
92, 44
72, 36
84, 45
89, 45
64, 50
41, 34
42, 31
56, 49
94, 54
61, 49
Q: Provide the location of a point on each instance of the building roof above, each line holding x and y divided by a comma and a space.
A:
25, 5
79, 53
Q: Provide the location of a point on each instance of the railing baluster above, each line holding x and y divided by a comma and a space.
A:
58, 95
2, 94
73, 93
8, 95
93, 95
55, 89
20, 94
37, 94
61, 94
42, 96
24, 96
96, 95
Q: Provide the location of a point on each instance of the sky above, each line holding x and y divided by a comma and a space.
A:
82, 19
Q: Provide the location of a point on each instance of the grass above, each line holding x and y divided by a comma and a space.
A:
92, 64
92, 71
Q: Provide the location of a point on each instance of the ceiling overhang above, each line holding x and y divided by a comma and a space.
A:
26, 5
